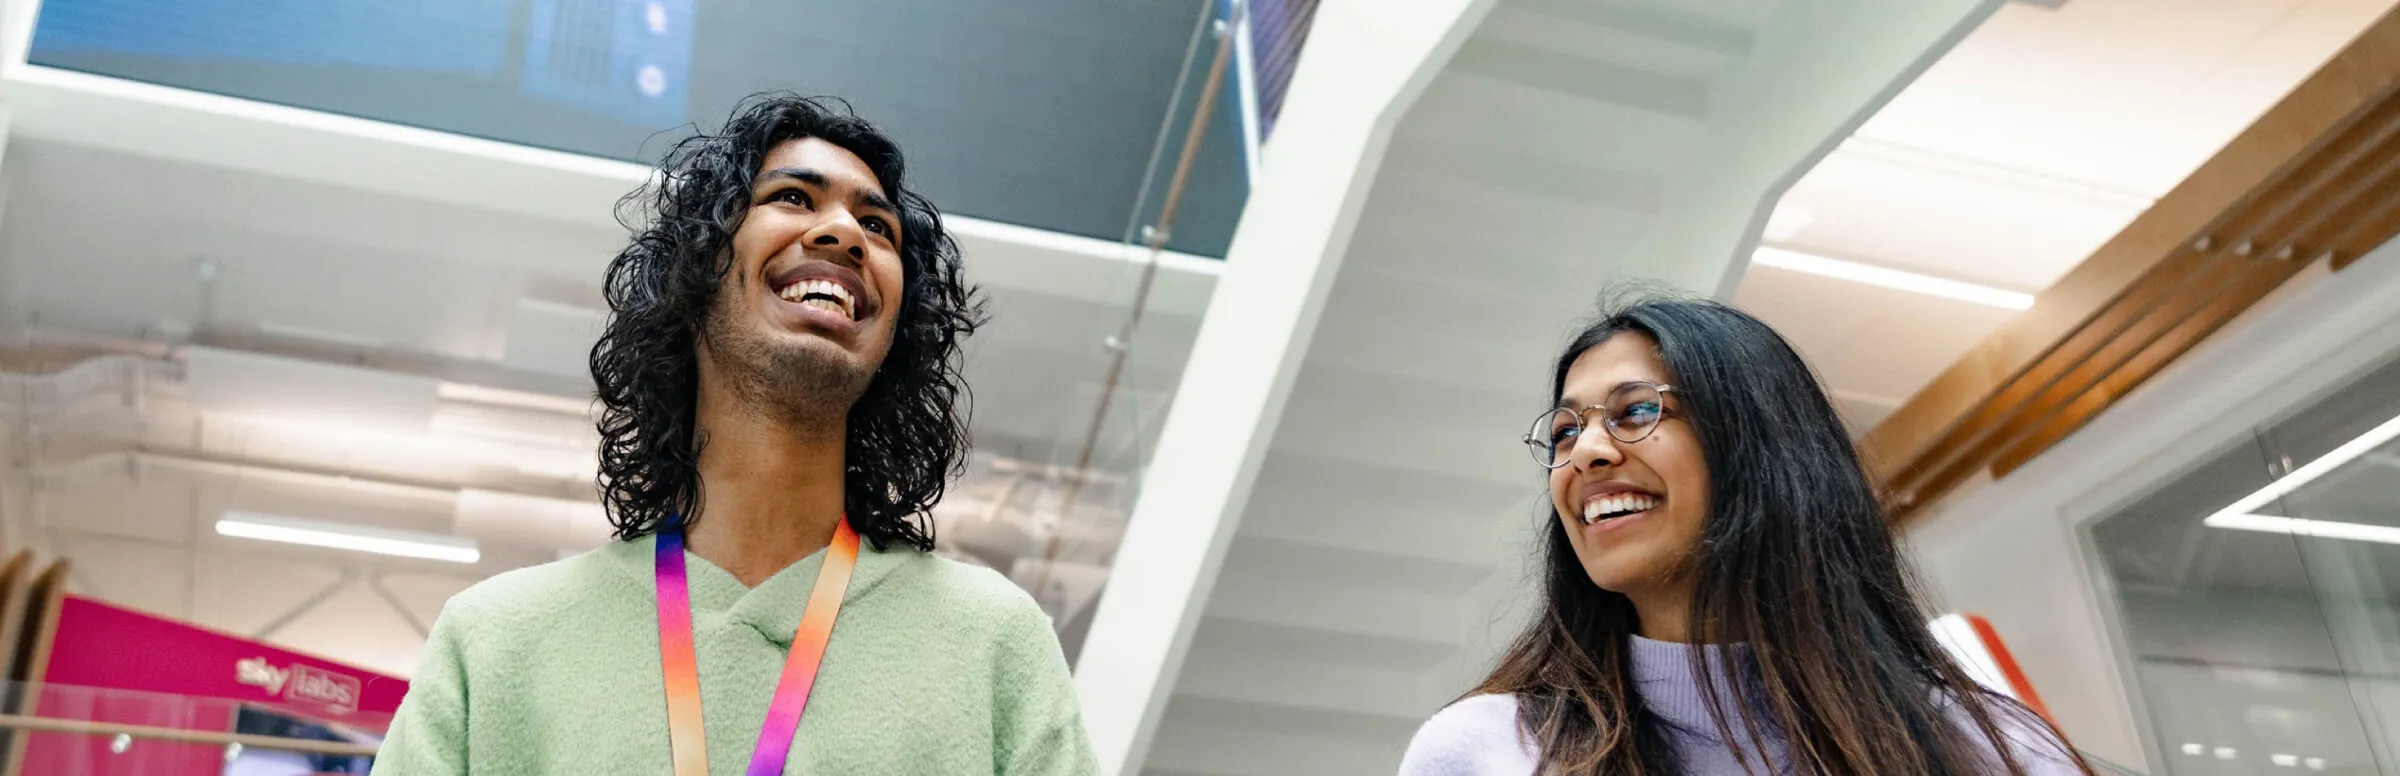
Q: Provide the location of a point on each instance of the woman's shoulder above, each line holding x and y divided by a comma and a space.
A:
1476, 712
2029, 739
1477, 736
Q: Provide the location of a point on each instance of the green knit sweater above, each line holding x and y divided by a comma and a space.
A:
935, 667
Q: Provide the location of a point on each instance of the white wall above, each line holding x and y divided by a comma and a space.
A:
2014, 550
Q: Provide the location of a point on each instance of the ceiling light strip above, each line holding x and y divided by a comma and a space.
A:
405, 544
2300, 526
2238, 511
1784, 258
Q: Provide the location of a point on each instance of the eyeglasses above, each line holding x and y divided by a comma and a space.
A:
1632, 411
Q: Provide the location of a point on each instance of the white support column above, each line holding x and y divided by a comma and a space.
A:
1366, 62
16, 329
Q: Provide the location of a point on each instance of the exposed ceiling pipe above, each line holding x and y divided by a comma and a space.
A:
557, 392
332, 479
88, 348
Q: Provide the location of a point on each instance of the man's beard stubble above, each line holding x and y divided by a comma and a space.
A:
789, 381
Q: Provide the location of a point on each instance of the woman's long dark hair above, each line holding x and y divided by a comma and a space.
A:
1796, 561
908, 432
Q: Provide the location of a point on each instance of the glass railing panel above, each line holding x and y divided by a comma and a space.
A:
87, 731
1131, 365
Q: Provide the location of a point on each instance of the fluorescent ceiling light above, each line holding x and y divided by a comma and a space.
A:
406, 544
2243, 514
2300, 526
1891, 278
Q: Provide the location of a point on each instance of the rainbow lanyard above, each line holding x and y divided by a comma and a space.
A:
681, 666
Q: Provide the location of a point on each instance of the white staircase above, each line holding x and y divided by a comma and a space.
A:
1378, 561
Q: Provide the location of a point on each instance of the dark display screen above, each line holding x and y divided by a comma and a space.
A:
1041, 113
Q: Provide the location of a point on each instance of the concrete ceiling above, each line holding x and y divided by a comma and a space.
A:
148, 223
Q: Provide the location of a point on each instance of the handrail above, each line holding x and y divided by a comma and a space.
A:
1154, 238
244, 740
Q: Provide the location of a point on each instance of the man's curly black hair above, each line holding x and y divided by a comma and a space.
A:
908, 432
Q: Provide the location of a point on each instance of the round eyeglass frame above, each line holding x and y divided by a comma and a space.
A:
1546, 455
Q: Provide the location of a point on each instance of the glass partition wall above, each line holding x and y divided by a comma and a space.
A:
2259, 594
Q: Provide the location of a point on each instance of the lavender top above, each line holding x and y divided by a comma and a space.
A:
1479, 736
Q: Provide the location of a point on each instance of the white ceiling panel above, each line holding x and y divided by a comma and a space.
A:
1950, 223
1914, 339
1819, 315
2158, 85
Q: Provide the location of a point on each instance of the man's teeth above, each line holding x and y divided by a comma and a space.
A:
1618, 504
828, 295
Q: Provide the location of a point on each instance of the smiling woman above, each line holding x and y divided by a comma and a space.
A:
1721, 591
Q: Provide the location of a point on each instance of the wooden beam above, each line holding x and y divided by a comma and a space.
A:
44, 598
2313, 175
2073, 370
2260, 248
2153, 355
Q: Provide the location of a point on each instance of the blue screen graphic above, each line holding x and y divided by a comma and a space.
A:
627, 60
1035, 112
458, 36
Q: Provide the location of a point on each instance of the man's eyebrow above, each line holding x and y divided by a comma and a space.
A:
877, 201
801, 174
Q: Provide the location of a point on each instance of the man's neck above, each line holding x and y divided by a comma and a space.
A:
770, 490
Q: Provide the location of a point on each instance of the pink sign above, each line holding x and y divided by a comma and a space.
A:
119, 665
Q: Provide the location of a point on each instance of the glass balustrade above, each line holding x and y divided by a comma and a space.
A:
86, 731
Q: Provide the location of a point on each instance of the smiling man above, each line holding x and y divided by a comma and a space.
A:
781, 405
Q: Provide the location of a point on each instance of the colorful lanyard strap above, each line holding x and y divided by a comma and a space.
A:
681, 666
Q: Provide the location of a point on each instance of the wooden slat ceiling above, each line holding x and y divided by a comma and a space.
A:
2316, 178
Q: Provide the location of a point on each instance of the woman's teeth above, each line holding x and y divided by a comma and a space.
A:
823, 294
1617, 505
